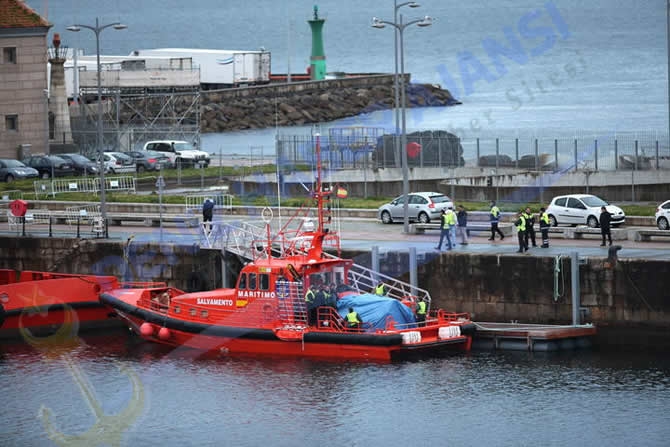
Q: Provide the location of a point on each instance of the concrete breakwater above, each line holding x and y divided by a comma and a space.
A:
309, 102
626, 300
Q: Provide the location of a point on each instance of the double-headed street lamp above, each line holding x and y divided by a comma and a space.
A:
97, 29
400, 28
396, 86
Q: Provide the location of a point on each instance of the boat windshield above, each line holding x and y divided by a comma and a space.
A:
333, 275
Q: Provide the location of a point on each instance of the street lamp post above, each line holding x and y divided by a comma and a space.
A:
396, 87
97, 29
400, 28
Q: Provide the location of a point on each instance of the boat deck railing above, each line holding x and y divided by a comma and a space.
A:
251, 242
366, 280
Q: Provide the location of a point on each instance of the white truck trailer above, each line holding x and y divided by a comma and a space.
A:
221, 68
87, 64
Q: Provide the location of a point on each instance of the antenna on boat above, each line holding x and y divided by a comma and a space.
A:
266, 215
277, 162
319, 187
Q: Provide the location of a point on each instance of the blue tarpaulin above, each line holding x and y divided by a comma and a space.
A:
375, 309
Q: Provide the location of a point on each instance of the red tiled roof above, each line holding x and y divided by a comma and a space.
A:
16, 14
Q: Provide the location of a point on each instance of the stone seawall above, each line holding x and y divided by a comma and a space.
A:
185, 267
627, 301
309, 102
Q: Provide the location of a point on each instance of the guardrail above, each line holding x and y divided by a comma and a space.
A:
85, 184
222, 201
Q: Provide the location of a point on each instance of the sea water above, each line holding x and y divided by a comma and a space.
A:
520, 67
115, 389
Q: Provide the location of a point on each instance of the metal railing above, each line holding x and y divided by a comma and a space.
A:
582, 151
221, 201
84, 184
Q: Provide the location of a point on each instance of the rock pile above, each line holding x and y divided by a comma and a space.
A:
220, 114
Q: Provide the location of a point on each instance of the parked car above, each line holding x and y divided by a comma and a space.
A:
663, 215
48, 165
81, 164
150, 160
11, 170
582, 209
422, 207
119, 163
179, 152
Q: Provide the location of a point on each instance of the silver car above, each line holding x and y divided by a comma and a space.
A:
422, 207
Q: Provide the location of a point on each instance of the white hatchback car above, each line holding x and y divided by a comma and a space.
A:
580, 209
663, 215
422, 207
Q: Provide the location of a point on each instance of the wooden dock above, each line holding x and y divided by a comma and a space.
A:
532, 337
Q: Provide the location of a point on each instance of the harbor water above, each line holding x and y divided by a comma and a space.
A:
113, 389
554, 69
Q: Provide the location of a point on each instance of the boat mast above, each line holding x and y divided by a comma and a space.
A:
320, 194
319, 191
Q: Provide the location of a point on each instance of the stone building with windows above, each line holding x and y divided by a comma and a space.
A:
23, 80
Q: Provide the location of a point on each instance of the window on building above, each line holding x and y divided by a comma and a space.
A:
12, 122
52, 125
9, 55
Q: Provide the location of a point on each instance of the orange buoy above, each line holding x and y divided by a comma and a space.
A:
164, 333
147, 329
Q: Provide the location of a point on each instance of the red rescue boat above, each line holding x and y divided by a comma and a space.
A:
42, 302
269, 311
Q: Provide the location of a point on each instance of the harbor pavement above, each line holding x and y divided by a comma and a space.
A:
363, 234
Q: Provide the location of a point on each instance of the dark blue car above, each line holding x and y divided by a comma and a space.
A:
11, 170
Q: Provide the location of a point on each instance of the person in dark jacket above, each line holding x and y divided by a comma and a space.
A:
605, 220
462, 228
207, 214
530, 226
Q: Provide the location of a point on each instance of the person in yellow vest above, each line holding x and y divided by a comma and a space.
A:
494, 217
520, 225
380, 289
353, 320
445, 230
421, 309
545, 223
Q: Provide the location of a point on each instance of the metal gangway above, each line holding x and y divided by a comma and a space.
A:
250, 241
244, 239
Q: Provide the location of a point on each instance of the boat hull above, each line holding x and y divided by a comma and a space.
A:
44, 306
313, 343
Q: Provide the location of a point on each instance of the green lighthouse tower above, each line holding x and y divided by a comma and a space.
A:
317, 60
